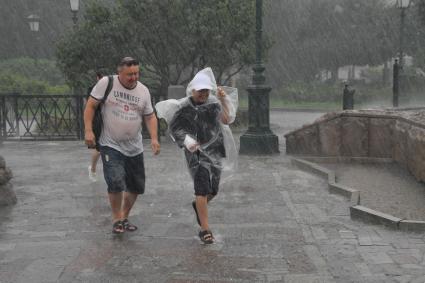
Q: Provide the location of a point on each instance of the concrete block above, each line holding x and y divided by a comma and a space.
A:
375, 217
412, 225
311, 167
341, 189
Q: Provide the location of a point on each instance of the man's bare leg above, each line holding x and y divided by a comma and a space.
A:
116, 200
128, 202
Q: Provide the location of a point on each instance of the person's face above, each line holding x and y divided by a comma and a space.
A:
200, 96
129, 75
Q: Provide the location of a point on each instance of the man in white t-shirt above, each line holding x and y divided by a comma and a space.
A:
121, 142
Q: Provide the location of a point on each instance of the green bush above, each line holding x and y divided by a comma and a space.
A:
312, 92
28, 76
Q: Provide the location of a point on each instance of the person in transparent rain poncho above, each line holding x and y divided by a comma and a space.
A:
198, 124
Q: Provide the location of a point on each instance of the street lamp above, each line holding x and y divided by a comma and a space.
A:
75, 6
258, 139
402, 5
398, 65
34, 22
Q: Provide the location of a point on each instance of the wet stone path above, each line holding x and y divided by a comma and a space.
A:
273, 223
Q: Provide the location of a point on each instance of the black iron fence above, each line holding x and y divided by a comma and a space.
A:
46, 117
41, 117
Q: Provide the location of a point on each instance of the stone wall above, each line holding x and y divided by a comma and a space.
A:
399, 135
7, 195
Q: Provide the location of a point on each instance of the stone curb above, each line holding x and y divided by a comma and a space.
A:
373, 216
358, 211
348, 192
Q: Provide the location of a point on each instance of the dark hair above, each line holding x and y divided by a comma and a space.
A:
99, 74
128, 61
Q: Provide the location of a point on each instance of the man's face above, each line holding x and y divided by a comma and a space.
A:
129, 75
200, 96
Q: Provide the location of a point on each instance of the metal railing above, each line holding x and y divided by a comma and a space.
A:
41, 117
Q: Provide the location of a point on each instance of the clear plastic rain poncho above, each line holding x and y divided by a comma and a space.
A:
198, 129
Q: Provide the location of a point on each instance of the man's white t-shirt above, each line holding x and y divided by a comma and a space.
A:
122, 115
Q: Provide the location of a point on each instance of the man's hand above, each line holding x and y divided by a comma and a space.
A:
89, 138
156, 147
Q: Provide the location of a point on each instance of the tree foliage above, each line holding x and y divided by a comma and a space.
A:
315, 35
173, 39
418, 26
345, 32
29, 76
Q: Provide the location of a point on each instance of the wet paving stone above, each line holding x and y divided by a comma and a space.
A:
273, 223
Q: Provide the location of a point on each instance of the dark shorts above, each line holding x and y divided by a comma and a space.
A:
206, 183
123, 173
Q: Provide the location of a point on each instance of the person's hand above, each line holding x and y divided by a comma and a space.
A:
194, 147
156, 147
191, 144
89, 139
220, 93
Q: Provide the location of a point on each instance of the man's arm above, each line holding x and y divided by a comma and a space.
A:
152, 124
91, 106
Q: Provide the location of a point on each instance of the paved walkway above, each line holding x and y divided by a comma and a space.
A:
273, 223
389, 188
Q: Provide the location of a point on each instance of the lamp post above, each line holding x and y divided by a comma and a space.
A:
75, 6
258, 139
402, 5
77, 102
398, 66
34, 22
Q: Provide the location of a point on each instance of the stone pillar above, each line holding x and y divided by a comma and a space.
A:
7, 195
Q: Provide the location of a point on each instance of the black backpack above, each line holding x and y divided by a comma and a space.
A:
97, 119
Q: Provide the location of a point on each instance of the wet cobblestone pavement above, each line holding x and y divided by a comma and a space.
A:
273, 223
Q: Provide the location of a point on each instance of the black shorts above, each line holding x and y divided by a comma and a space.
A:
206, 183
123, 173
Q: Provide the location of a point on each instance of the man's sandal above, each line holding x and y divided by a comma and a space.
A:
118, 227
196, 212
128, 226
206, 237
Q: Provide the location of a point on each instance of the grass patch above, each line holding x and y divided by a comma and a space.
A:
285, 104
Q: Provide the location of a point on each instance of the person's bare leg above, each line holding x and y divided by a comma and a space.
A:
94, 159
202, 208
116, 200
128, 202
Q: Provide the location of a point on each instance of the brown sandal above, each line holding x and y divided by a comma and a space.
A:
118, 227
206, 237
128, 226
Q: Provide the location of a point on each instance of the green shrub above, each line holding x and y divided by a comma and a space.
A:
27, 76
311, 92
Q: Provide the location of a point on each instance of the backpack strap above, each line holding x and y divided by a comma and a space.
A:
108, 88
